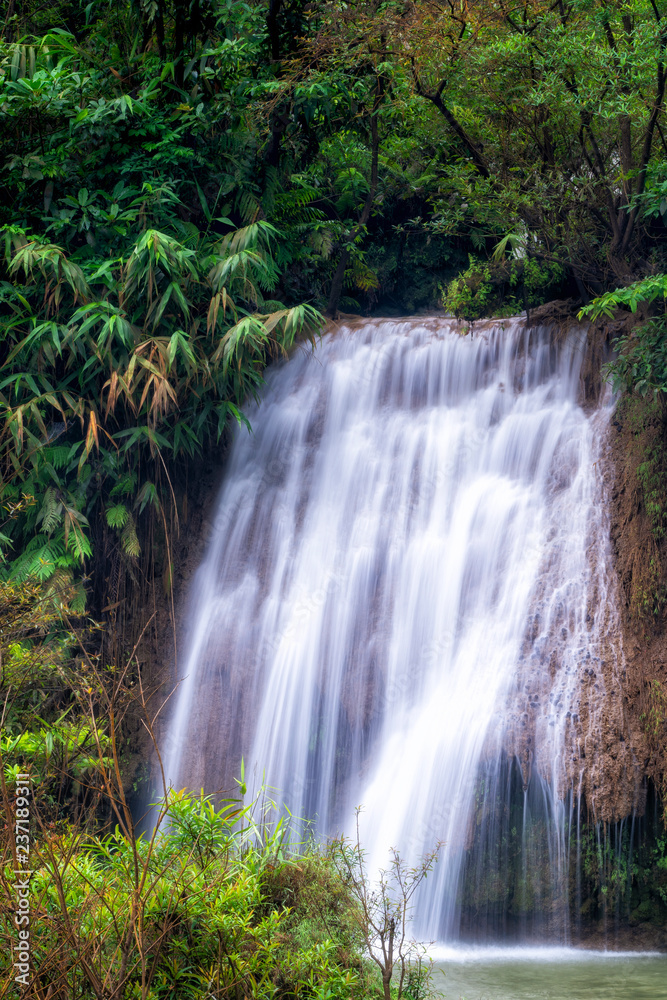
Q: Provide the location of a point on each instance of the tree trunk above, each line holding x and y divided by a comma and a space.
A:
273, 29
277, 122
180, 15
435, 97
159, 29
389, 964
337, 285
339, 274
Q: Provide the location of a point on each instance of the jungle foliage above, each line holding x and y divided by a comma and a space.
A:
219, 901
187, 186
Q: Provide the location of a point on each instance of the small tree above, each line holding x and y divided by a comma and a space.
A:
384, 914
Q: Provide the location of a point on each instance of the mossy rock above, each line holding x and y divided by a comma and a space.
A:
646, 912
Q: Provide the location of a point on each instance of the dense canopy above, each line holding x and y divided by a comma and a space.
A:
186, 187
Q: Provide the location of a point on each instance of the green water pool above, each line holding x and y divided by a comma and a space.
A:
549, 974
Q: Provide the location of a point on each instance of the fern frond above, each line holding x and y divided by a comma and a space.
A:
78, 544
248, 206
57, 455
51, 511
129, 541
117, 516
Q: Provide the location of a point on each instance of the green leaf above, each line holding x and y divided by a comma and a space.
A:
117, 516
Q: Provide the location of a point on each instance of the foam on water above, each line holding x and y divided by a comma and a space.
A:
459, 954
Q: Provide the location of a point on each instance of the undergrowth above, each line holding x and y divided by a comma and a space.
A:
220, 901
503, 286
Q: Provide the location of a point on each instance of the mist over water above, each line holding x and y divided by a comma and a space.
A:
398, 595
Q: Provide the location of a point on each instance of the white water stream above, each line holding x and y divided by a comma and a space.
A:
400, 555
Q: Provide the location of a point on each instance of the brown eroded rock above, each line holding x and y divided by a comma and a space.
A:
600, 704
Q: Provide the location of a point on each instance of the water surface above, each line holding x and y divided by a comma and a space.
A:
550, 974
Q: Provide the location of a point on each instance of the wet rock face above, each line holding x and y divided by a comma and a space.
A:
609, 702
403, 506
635, 474
606, 890
592, 699
569, 714
570, 711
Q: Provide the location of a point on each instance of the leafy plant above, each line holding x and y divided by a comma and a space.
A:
383, 915
138, 364
469, 295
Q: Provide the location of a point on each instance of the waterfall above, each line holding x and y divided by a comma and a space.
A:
406, 577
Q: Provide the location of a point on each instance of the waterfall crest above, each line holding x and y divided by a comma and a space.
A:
407, 575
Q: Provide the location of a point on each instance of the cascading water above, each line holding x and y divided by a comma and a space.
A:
405, 582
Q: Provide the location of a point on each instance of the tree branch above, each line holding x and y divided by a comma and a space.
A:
648, 139
435, 97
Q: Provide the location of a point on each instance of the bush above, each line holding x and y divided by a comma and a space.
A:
191, 911
501, 287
